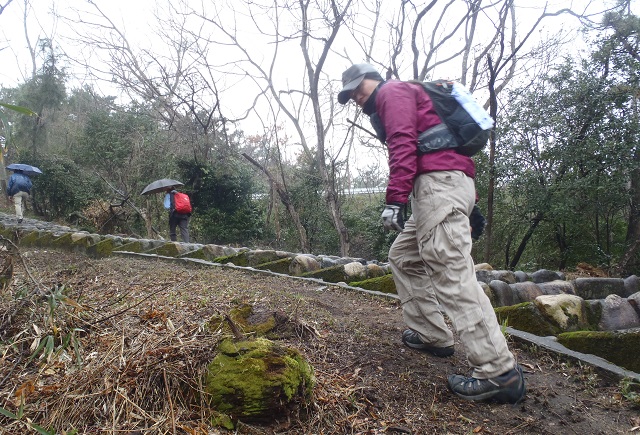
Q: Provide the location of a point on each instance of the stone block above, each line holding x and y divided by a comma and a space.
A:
621, 347
566, 311
383, 284
526, 317
599, 288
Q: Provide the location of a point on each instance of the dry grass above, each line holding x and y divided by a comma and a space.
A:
130, 345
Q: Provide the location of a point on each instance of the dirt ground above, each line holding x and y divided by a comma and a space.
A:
138, 340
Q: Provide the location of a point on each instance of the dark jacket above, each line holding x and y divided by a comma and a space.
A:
405, 110
18, 182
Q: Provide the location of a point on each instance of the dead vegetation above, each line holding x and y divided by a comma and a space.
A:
120, 345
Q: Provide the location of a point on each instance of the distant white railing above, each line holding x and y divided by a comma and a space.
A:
352, 191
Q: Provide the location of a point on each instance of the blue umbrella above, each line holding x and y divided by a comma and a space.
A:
27, 169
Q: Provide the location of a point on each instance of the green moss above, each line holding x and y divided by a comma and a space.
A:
278, 266
328, 274
255, 258
63, 242
621, 348
170, 249
240, 316
197, 254
593, 312
8, 233
382, 284
239, 259
103, 248
526, 317
219, 419
257, 380
82, 241
30, 238
131, 247
46, 240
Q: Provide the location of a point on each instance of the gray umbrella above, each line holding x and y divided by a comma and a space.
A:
160, 186
27, 169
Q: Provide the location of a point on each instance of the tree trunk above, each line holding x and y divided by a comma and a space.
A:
632, 239
523, 243
283, 194
493, 112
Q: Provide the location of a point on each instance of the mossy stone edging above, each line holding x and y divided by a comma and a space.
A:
277, 266
383, 284
614, 346
332, 274
526, 317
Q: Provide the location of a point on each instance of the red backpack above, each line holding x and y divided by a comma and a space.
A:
181, 202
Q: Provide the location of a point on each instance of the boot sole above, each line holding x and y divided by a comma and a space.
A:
435, 351
505, 395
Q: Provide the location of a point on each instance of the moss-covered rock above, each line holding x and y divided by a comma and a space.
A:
169, 249
302, 264
278, 266
355, 271
258, 380
593, 310
375, 271
136, 247
103, 248
81, 241
30, 238
46, 239
526, 317
207, 252
239, 259
619, 347
330, 274
8, 233
257, 257
487, 291
566, 311
63, 242
382, 284
259, 325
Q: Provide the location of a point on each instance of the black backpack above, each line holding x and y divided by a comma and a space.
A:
466, 126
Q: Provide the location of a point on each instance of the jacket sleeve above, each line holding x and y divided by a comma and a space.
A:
397, 108
12, 181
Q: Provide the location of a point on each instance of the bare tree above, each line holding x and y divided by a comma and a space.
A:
4, 6
173, 79
282, 59
315, 43
489, 43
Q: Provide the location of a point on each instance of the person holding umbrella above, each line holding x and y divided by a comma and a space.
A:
18, 190
176, 218
177, 203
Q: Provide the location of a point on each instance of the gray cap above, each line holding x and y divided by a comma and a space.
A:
351, 78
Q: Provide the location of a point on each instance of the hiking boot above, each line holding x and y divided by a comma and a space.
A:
412, 339
509, 387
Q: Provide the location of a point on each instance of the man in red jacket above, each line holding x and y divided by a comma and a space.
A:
431, 257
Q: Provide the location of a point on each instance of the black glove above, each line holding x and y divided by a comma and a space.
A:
477, 222
393, 216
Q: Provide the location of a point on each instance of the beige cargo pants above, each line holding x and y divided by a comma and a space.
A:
432, 269
19, 199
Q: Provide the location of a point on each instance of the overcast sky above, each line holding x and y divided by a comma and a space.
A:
135, 16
